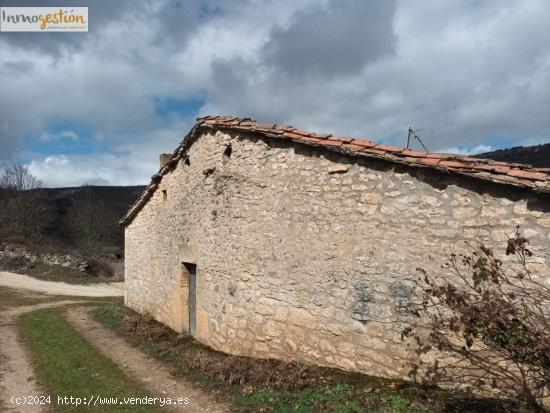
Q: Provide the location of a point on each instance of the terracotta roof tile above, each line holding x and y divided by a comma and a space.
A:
415, 154
387, 148
364, 143
352, 146
264, 126
503, 163
429, 161
293, 135
375, 151
284, 128
246, 124
344, 139
307, 139
440, 155
301, 132
501, 169
454, 164
519, 175
319, 135
474, 160
330, 142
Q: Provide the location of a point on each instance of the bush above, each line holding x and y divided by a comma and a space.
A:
99, 267
493, 321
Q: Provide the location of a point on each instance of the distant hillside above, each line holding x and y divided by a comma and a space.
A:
538, 155
113, 202
117, 198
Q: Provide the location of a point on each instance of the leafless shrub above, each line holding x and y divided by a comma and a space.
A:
144, 326
99, 267
491, 319
192, 356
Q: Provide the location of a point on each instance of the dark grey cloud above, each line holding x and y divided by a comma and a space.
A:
16, 67
335, 40
301, 60
179, 20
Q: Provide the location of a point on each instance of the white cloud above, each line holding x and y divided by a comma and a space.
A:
468, 72
104, 169
132, 163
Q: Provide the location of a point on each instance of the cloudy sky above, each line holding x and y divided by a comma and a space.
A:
99, 107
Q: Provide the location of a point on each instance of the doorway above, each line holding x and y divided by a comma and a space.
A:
192, 273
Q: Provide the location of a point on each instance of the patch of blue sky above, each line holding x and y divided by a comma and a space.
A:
503, 141
487, 144
206, 11
209, 11
65, 138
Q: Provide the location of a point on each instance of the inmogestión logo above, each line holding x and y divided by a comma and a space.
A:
41, 19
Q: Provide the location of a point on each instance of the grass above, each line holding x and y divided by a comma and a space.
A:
50, 272
10, 297
60, 273
335, 398
67, 365
339, 397
257, 385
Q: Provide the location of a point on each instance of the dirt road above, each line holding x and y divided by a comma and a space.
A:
12, 280
16, 374
150, 373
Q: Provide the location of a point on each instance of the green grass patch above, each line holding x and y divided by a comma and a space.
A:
109, 315
339, 398
335, 398
67, 365
10, 297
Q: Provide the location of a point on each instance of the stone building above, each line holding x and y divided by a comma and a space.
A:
269, 241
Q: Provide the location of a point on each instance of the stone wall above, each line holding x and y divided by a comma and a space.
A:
306, 254
64, 260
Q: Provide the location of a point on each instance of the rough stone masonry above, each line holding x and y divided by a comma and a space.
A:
307, 253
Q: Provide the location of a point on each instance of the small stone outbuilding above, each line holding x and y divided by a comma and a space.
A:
264, 240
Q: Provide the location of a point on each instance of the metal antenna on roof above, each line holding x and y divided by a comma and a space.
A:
412, 134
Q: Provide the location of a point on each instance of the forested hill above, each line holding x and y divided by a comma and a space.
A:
538, 155
97, 206
116, 198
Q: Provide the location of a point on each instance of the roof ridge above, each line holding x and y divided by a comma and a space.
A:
450, 161
519, 175
254, 125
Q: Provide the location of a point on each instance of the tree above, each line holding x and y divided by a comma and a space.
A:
491, 319
24, 210
91, 223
